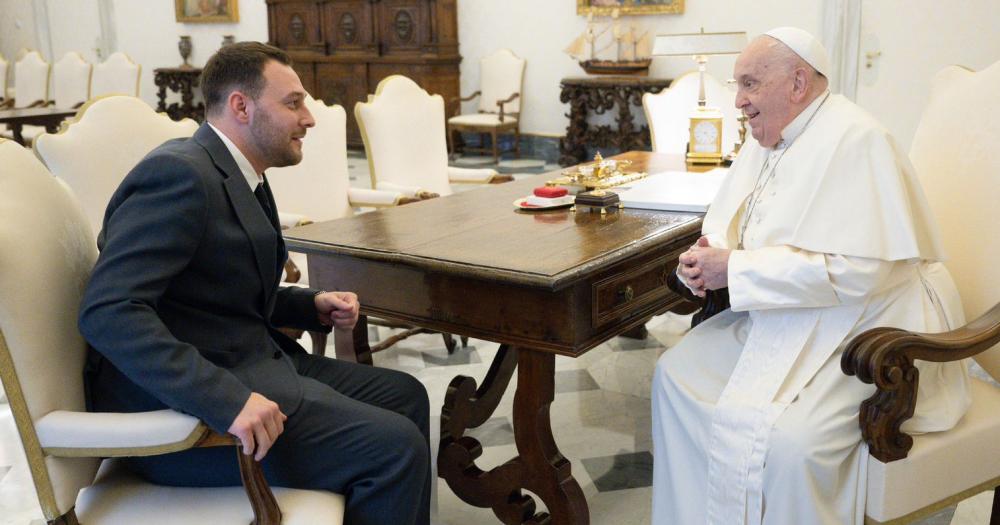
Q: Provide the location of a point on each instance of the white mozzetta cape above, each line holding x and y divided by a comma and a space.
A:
858, 196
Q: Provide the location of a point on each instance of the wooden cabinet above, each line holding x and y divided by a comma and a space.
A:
343, 48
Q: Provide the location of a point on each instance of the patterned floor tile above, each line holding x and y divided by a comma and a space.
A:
621, 471
574, 381
462, 356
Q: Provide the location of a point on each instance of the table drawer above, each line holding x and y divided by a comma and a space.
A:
621, 295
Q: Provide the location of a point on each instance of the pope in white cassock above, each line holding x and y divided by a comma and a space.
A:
820, 232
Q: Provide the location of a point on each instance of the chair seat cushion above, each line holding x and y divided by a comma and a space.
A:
940, 464
482, 119
118, 496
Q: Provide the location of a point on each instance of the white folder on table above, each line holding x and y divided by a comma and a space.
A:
674, 191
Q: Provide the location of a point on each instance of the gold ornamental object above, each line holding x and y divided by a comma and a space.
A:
601, 174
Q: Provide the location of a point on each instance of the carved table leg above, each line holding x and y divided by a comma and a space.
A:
539, 467
360, 351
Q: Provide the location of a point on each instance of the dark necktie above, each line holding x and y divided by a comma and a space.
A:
266, 206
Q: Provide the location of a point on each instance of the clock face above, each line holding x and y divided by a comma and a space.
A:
705, 133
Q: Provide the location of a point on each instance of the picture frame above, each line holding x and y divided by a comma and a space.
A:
207, 11
629, 7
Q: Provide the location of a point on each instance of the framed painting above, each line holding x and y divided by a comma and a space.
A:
629, 7
207, 11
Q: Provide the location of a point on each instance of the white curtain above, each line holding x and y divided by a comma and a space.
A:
841, 36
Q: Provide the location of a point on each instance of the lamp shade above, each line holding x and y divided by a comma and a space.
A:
700, 44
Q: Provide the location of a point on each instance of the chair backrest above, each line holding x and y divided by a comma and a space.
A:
501, 75
118, 75
317, 186
70, 81
953, 153
668, 112
46, 254
403, 130
106, 139
3, 77
31, 80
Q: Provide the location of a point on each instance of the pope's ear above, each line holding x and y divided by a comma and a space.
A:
800, 84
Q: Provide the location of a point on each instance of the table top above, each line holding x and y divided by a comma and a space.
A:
22, 113
479, 233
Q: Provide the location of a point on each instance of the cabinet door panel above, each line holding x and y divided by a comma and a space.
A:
350, 28
403, 26
298, 27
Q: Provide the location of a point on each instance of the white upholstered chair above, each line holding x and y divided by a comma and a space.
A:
45, 238
70, 81
668, 112
3, 80
31, 81
70, 88
118, 75
403, 129
318, 188
954, 152
107, 138
31, 84
501, 81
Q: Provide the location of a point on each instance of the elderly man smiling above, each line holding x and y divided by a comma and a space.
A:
820, 232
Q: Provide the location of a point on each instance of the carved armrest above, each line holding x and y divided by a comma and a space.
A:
465, 99
884, 357
7, 104
89, 434
500, 103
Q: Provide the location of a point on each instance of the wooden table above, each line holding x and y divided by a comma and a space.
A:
597, 95
49, 116
541, 284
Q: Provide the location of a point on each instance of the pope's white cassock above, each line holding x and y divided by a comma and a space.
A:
753, 420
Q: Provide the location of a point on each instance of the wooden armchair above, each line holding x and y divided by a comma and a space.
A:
910, 477
31, 85
4, 65
404, 134
45, 237
70, 88
501, 80
318, 188
118, 75
668, 111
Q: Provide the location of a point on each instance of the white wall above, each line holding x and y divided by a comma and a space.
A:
17, 31
538, 31
916, 39
147, 32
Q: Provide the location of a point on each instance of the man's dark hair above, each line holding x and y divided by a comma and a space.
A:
238, 66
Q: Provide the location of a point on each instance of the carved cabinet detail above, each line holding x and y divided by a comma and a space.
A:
343, 48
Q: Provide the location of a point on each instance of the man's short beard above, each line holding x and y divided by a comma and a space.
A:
270, 143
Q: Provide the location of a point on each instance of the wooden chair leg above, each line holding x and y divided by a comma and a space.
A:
451, 142
496, 147
449, 342
465, 341
318, 342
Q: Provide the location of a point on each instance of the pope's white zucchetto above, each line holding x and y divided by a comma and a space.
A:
805, 45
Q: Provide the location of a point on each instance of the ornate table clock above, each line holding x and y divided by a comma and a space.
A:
705, 143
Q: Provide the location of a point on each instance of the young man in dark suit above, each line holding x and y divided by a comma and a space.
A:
182, 308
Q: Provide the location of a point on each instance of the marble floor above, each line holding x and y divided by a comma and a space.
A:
600, 418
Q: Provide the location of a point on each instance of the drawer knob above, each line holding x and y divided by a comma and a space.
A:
626, 294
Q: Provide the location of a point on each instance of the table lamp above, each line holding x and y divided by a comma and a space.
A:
705, 144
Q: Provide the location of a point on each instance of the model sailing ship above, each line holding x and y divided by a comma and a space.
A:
632, 49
